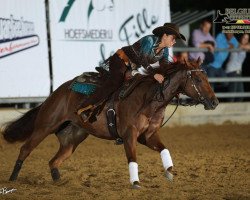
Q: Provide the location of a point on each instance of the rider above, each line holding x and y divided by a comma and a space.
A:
146, 51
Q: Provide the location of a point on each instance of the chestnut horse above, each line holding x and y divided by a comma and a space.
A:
139, 118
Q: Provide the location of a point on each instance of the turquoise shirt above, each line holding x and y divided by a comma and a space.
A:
221, 56
143, 52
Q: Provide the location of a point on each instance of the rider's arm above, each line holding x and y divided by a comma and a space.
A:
151, 69
163, 61
146, 46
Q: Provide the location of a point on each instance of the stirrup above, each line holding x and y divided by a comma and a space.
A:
84, 109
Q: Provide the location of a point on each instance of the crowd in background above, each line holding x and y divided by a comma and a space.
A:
219, 63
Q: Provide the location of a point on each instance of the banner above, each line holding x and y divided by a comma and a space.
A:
85, 32
24, 68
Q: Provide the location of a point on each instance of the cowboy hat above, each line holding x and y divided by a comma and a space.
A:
169, 29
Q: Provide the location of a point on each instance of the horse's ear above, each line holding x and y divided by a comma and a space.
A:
199, 61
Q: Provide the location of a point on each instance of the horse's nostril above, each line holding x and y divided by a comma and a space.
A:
214, 103
201, 98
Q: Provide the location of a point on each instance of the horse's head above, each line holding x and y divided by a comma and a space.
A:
195, 85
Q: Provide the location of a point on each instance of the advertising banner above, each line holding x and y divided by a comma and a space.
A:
24, 68
85, 32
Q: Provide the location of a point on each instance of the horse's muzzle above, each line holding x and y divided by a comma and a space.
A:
211, 104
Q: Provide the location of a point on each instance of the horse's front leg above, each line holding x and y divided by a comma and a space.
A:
130, 141
153, 142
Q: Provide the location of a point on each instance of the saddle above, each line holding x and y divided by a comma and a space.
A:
88, 82
129, 86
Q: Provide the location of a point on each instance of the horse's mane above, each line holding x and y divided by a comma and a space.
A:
172, 67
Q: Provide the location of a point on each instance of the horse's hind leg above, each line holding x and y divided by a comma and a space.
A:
69, 137
36, 138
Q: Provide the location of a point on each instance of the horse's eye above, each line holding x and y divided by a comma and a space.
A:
204, 71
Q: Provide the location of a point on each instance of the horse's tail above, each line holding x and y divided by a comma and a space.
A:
22, 128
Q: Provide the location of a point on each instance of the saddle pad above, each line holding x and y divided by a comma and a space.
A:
83, 88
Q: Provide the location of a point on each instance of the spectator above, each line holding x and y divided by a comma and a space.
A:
234, 66
224, 41
201, 38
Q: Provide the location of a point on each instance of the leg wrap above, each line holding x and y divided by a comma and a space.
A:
133, 172
166, 159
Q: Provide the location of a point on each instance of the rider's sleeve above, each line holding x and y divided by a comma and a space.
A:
141, 70
146, 45
151, 69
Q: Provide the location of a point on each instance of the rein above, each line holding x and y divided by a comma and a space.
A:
178, 102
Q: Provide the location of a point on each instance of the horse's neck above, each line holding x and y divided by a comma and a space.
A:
176, 81
146, 91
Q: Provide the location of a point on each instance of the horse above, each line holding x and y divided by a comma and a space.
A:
138, 118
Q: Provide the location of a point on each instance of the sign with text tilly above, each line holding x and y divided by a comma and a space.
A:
24, 69
85, 32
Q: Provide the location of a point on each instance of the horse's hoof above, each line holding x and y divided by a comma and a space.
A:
169, 176
136, 185
55, 174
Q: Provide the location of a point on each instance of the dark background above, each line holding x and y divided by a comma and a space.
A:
181, 5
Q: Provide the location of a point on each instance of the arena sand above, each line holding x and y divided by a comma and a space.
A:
210, 162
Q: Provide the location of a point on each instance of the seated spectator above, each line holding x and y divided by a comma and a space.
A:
234, 66
224, 41
201, 38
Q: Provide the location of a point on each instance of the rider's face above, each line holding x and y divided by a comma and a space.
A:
168, 40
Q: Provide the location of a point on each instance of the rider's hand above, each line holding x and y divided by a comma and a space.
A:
159, 78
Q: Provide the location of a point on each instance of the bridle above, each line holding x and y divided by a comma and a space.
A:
189, 77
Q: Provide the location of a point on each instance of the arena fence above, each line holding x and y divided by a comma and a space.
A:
220, 79
27, 100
